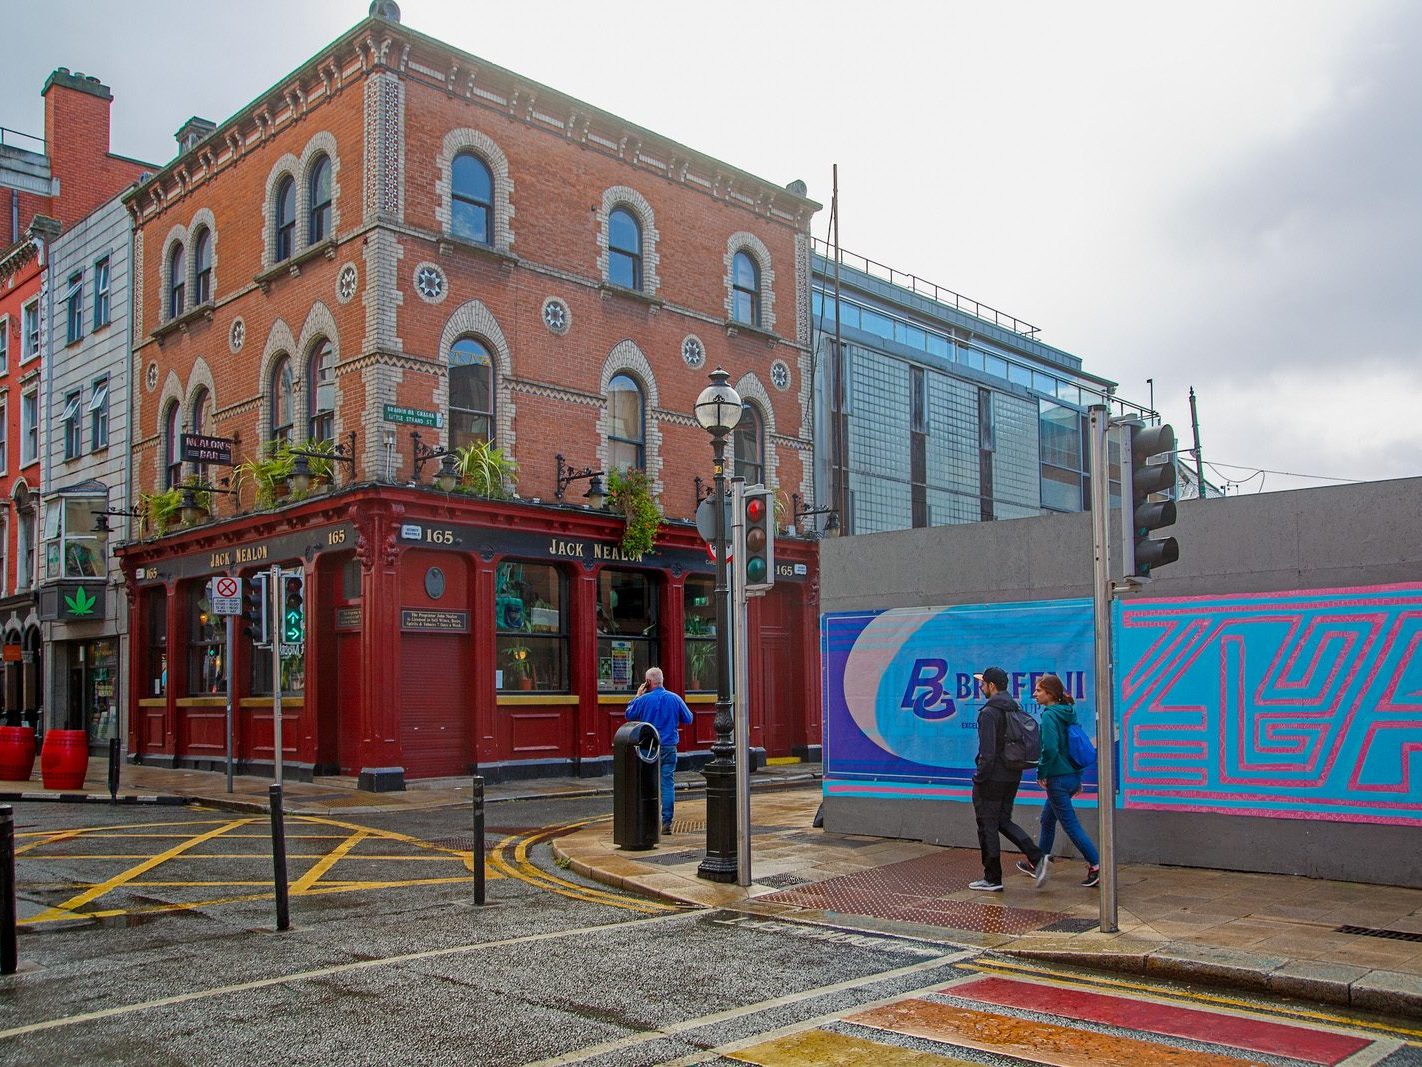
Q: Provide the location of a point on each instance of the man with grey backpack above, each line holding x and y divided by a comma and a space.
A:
1009, 742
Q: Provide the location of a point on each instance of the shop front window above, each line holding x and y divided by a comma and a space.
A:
699, 633
531, 623
156, 650
93, 675
207, 667
626, 629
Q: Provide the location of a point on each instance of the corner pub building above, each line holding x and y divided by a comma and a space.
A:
400, 238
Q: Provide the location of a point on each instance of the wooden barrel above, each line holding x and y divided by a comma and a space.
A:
17, 753
64, 759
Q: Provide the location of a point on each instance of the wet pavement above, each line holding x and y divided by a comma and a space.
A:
1334, 942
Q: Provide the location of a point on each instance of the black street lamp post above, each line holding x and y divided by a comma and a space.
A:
718, 409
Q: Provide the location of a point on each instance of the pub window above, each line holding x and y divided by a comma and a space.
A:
748, 444
283, 391
699, 632
172, 457
156, 646
627, 426
626, 629
471, 393
207, 666
321, 391
531, 624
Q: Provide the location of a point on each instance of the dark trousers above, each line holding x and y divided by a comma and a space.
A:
992, 804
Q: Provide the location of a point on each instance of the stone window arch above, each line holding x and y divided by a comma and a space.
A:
280, 214
320, 150
318, 334
471, 392
627, 360
740, 248
748, 444
754, 393
202, 255
635, 204
480, 146
174, 247
475, 320
281, 345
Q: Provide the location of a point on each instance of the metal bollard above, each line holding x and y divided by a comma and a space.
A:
478, 846
113, 770
279, 859
9, 954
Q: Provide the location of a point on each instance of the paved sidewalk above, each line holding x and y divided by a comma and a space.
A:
1270, 933
1273, 933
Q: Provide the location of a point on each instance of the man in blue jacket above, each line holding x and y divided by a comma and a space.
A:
666, 712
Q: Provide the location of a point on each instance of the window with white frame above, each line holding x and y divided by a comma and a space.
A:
72, 419
25, 542
103, 283
471, 198
202, 266
318, 226
285, 220
172, 457
71, 547
74, 308
283, 401
99, 415
177, 282
624, 249
745, 289
748, 444
4, 344
321, 392
30, 330
627, 424
29, 428
4, 436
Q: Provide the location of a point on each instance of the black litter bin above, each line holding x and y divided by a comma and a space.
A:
636, 786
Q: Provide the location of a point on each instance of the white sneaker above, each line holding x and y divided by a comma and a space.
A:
982, 885
1040, 872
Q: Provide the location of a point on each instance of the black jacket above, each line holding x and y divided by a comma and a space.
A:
992, 724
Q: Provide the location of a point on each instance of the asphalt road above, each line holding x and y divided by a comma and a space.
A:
149, 939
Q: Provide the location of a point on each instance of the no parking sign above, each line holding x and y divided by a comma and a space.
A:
225, 594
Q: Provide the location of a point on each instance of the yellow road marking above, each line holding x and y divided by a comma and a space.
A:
1346, 1021
326, 862
525, 870
66, 909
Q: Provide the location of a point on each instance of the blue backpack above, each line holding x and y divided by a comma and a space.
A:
1080, 750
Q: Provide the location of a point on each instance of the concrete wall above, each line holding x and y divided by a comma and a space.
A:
1357, 535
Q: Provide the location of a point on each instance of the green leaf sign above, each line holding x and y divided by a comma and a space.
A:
81, 603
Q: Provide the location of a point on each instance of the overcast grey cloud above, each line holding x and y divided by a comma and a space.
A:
1224, 196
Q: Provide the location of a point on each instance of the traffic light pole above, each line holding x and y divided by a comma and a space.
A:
277, 633
231, 668
740, 659
1100, 417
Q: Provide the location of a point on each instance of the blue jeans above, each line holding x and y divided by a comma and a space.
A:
1060, 789
668, 783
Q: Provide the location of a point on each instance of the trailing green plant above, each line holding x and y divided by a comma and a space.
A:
630, 492
267, 472
160, 509
484, 470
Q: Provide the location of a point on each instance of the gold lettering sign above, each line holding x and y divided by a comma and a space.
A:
566, 549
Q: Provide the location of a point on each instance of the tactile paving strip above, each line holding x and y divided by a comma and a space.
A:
917, 891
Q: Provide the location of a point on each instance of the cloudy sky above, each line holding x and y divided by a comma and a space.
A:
1222, 195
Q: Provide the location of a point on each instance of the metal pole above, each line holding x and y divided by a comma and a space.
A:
113, 770
9, 954
275, 628
1100, 417
231, 669
839, 479
740, 661
1199, 459
719, 864
477, 849
279, 858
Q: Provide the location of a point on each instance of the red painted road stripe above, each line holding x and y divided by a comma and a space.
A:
1253, 1035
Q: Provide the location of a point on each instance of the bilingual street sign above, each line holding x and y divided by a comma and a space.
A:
224, 593
199, 448
413, 416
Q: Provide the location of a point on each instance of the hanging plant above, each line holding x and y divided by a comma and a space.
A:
267, 473
630, 493
160, 509
484, 470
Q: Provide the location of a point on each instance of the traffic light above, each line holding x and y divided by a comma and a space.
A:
1148, 479
293, 607
758, 515
254, 609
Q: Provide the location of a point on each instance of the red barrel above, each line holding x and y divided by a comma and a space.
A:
17, 753
65, 759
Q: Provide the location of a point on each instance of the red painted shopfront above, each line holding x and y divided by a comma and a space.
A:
445, 632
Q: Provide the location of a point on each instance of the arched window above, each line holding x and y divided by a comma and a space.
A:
624, 249
285, 218
202, 266
201, 423
471, 198
319, 227
745, 290
172, 457
471, 393
627, 430
282, 388
321, 391
748, 443
177, 282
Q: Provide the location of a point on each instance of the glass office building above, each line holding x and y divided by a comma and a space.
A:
933, 409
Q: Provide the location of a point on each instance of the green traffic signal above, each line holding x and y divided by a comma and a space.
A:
293, 619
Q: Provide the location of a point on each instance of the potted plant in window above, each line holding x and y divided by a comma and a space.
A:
520, 666
484, 470
630, 492
701, 662
268, 473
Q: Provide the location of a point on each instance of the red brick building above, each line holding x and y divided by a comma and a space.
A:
45, 185
401, 237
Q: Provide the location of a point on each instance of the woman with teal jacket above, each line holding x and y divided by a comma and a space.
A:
1060, 777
